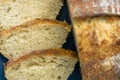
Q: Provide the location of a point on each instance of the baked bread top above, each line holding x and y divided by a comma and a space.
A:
85, 8
98, 44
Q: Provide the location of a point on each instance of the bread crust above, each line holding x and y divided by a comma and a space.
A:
35, 22
84, 8
42, 53
97, 41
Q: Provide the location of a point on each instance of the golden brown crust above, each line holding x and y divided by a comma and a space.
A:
82, 8
42, 53
35, 22
97, 38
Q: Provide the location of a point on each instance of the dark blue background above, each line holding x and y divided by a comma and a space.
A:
64, 15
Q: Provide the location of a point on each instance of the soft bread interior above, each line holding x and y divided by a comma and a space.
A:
43, 68
16, 12
28, 39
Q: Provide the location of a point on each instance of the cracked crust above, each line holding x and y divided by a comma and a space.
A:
97, 39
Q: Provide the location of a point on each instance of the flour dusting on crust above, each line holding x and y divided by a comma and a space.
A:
81, 8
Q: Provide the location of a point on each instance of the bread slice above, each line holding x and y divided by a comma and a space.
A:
97, 34
50, 64
33, 35
98, 43
16, 12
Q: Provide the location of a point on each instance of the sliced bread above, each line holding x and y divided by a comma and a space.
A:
33, 35
50, 64
16, 12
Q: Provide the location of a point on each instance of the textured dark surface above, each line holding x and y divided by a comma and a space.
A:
2, 61
70, 44
64, 16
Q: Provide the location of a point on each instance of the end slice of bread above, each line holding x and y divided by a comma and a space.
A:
33, 35
50, 64
16, 12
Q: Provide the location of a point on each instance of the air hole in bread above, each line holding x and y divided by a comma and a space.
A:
24, 31
24, 37
65, 61
25, 17
51, 33
59, 78
13, 0
43, 59
47, 28
32, 75
32, 64
16, 15
16, 68
1, 28
60, 65
8, 9
11, 55
9, 36
118, 42
52, 76
54, 58
1, 42
52, 61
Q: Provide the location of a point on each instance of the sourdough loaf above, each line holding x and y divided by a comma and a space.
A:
97, 33
98, 43
16, 12
33, 35
51, 64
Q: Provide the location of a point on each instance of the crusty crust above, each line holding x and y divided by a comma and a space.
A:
83, 8
98, 39
41, 53
35, 22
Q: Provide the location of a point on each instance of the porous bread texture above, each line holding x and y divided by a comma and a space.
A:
52, 64
97, 38
16, 12
34, 35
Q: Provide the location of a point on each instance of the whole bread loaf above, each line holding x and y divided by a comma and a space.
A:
96, 26
34, 35
98, 43
51, 64
16, 12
